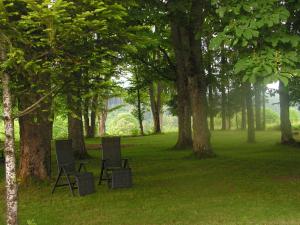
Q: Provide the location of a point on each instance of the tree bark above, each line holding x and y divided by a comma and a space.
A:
258, 108
9, 150
201, 135
93, 122
211, 95
286, 127
155, 102
102, 117
184, 140
223, 94
90, 106
223, 107
35, 132
264, 108
243, 112
188, 48
86, 117
75, 124
250, 114
140, 114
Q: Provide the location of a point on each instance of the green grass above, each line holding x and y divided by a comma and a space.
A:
246, 184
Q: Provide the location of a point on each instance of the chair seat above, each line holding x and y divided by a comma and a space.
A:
85, 182
121, 178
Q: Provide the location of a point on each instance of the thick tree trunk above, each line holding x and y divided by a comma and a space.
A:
9, 150
155, 100
201, 135
35, 133
75, 124
258, 111
198, 88
184, 140
140, 114
250, 114
102, 117
286, 127
188, 52
35, 145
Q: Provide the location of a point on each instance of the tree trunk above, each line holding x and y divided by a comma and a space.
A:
188, 52
223, 107
184, 140
223, 94
102, 117
156, 106
264, 109
90, 106
140, 114
211, 96
286, 127
258, 107
198, 86
211, 102
250, 114
86, 117
211, 108
75, 124
244, 113
35, 132
9, 150
201, 135
229, 122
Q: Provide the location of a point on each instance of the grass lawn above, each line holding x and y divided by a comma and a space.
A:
246, 184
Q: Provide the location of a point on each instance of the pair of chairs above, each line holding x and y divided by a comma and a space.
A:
112, 166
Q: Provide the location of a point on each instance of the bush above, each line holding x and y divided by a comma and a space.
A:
122, 124
60, 127
294, 115
272, 117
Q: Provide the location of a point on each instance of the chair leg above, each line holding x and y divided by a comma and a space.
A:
101, 176
57, 179
70, 184
125, 165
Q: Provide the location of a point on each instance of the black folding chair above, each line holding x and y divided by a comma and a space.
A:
111, 158
67, 166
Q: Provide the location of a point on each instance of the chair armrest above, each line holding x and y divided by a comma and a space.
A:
82, 165
103, 163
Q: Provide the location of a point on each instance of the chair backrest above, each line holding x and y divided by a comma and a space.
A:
64, 155
111, 151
